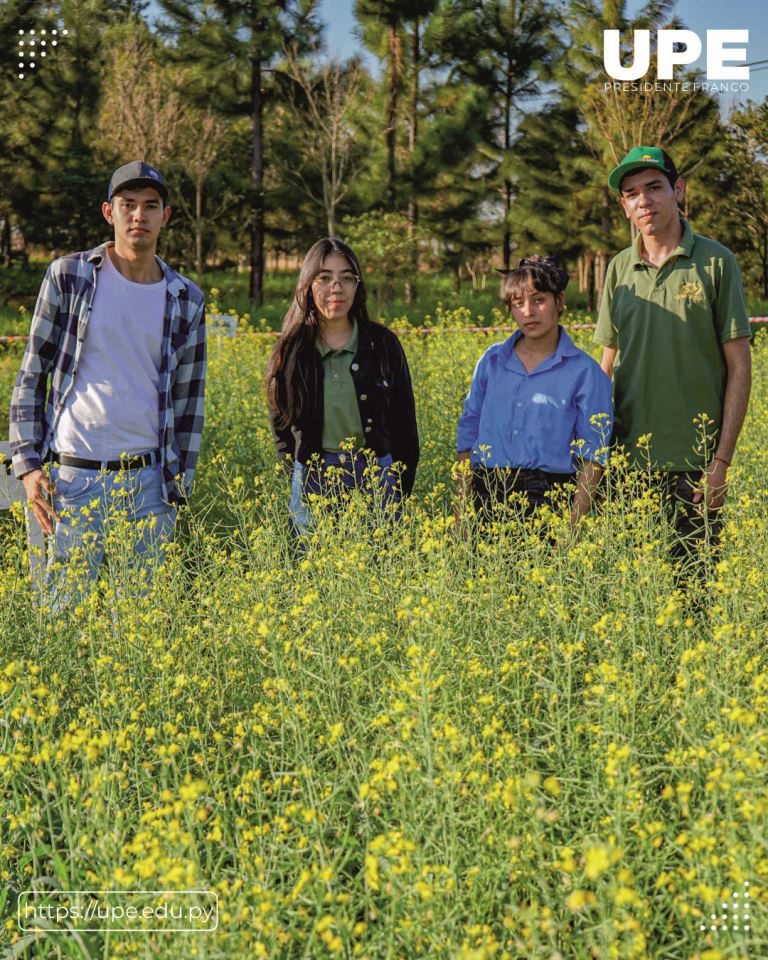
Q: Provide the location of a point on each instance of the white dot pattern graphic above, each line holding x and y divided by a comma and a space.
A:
30, 44
739, 918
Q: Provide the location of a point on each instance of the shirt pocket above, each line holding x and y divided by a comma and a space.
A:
549, 417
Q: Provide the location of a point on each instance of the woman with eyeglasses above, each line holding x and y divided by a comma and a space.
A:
539, 410
338, 384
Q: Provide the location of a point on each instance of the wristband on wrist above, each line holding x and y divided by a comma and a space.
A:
722, 460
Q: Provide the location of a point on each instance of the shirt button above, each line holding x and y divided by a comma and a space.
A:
519, 404
363, 396
514, 432
367, 429
354, 366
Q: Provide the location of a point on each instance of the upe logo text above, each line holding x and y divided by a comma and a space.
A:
677, 48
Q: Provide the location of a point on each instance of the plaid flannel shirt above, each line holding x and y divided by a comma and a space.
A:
59, 326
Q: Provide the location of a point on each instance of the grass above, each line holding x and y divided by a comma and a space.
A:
401, 744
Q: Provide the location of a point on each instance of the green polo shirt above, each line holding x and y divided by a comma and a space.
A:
341, 415
669, 324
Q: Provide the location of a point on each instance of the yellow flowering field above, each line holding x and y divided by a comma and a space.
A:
402, 743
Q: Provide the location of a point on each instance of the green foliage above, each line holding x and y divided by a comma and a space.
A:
486, 125
20, 282
546, 181
385, 249
505, 48
741, 185
49, 164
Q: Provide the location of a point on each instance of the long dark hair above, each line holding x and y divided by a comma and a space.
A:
287, 387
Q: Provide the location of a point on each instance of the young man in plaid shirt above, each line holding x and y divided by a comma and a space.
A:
110, 390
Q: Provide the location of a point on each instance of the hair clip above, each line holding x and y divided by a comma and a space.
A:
539, 262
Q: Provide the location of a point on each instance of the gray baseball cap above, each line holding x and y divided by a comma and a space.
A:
137, 174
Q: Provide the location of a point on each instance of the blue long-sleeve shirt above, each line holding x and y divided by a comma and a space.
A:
535, 420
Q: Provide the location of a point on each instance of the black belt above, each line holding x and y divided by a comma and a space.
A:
523, 473
127, 463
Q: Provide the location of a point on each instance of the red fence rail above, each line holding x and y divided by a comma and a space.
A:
407, 330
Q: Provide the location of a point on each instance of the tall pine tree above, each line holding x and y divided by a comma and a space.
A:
237, 43
504, 47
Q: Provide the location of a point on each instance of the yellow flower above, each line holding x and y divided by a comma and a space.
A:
580, 900
596, 861
552, 785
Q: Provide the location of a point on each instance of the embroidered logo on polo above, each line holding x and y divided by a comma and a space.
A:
690, 290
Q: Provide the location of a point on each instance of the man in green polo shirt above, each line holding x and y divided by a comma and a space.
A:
675, 333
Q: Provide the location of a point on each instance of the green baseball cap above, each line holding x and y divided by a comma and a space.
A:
643, 158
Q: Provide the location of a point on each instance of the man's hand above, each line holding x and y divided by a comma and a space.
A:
714, 485
738, 360
38, 491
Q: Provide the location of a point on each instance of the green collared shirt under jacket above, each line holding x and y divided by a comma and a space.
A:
341, 414
669, 324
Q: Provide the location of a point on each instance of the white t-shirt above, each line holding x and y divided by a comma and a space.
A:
113, 406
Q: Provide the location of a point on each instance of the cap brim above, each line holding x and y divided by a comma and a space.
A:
617, 175
139, 183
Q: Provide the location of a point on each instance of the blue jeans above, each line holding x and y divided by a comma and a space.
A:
89, 503
349, 474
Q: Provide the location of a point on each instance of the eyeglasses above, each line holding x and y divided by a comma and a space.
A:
326, 281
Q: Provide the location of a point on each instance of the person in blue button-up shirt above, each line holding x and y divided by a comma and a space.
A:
538, 413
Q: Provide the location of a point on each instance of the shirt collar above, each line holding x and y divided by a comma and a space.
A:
174, 282
683, 249
565, 348
349, 347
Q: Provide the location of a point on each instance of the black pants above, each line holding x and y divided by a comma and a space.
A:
492, 487
693, 526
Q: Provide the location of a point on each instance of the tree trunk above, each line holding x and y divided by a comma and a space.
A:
601, 265
764, 258
507, 241
199, 232
257, 181
601, 260
394, 83
413, 207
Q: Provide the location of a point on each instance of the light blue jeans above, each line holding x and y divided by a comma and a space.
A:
352, 475
88, 503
